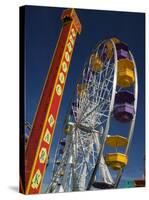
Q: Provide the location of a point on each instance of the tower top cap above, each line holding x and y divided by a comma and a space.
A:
71, 13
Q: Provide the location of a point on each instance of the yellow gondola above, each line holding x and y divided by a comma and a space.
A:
109, 47
125, 75
116, 141
96, 63
81, 89
116, 161
68, 128
62, 173
115, 40
58, 162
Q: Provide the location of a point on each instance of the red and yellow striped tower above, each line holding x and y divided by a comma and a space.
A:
42, 132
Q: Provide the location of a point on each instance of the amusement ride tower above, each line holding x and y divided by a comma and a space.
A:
40, 139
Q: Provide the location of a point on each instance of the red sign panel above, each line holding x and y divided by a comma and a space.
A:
35, 177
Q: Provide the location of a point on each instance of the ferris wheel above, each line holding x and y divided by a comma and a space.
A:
90, 155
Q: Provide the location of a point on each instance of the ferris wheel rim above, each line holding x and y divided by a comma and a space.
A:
111, 105
132, 124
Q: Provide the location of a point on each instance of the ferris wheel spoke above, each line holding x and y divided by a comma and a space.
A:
94, 93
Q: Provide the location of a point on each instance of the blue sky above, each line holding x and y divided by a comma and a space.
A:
43, 26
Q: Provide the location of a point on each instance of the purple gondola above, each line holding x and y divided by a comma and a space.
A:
74, 104
122, 45
71, 112
102, 185
122, 51
124, 97
122, 54
123, 112
61, 151
62, 142
74, 108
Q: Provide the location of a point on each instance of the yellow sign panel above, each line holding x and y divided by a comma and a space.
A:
43, 155
73, 32
36, 180
58, 89
61, 78
67, 56
47, 136
51, 120
64, 66
69, 47
71, 40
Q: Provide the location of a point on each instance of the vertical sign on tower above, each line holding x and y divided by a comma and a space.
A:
41, 135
